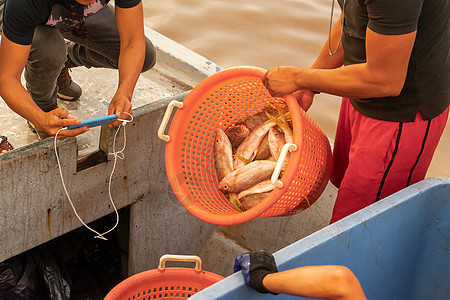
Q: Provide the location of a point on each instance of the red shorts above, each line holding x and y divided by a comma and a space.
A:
373, 159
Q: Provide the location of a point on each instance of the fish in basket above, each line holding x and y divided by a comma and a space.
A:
203, 179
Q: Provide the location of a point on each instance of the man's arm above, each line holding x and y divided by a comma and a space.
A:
12, 62
333, 282
325, 60
131, 58
321, 282
382, 75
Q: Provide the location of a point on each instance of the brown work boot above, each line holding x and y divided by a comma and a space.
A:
67, 89
42, 135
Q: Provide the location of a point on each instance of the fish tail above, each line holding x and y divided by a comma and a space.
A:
306, 198
280, 114
243, 159
273, 119
236, 202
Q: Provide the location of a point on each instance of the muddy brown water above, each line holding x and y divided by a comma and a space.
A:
265, 34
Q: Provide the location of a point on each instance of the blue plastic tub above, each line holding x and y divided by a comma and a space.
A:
399, 248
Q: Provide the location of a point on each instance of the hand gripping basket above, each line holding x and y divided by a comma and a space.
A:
173, 283
217, 102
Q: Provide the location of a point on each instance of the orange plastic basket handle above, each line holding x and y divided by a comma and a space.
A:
173, 257
166, 118
276, 173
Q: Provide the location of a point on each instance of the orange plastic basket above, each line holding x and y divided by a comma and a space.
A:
217, 102
165, 283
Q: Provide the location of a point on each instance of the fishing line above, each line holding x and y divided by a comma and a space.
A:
117, 155
331, 25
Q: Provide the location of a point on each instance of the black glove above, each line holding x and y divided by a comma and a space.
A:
255, 266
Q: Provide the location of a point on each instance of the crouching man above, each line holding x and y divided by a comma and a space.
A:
47, 37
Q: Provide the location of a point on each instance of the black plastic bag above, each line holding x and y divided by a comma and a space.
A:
18, 279
73, 266
51, 272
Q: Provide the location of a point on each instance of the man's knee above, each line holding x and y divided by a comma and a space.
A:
150, 56
48, 49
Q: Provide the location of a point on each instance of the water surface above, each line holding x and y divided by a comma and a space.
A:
265, 34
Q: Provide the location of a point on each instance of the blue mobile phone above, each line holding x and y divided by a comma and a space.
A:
96, 122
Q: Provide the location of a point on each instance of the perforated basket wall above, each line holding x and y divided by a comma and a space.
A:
217, 102
172, 283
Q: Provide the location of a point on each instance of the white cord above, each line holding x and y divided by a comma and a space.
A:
117, 155
331, 26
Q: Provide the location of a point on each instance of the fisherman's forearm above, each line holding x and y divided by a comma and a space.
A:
131, 61
319, 282
353, 81
19, 100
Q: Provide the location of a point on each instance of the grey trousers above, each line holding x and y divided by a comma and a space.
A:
52, 46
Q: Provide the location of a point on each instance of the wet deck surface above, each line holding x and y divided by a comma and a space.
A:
99, 86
